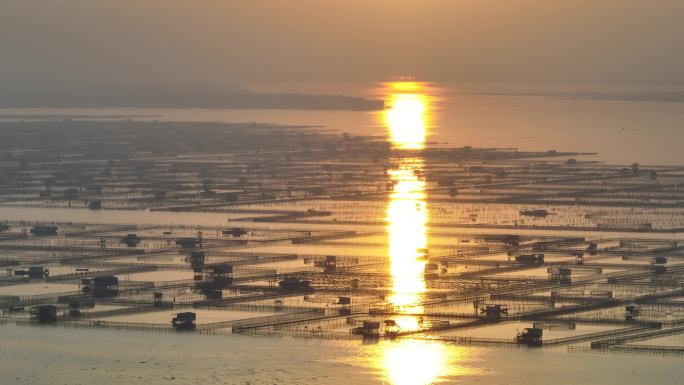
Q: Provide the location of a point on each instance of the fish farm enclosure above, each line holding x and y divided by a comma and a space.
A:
268, 230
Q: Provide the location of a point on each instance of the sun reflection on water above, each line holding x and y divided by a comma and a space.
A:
406, 229
408, 117
407, 120
409, 362
415, 362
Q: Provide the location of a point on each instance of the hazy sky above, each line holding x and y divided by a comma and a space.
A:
48, 44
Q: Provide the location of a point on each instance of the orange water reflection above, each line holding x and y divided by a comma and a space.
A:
408, 117
408, 362
407, 238
406, 121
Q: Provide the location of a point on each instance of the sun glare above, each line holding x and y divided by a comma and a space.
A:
407, 117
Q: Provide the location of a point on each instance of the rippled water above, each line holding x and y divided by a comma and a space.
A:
44, 355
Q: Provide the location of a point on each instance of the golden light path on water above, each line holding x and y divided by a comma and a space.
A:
407, 118
406, 121
409, 361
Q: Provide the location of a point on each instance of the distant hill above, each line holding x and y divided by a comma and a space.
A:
234, 98
633, 96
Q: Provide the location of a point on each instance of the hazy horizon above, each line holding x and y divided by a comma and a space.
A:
109, 46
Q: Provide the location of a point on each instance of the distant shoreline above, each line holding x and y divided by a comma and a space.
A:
232, 99
72, 116
663, 96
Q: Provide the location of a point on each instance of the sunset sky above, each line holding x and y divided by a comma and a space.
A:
74, 43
